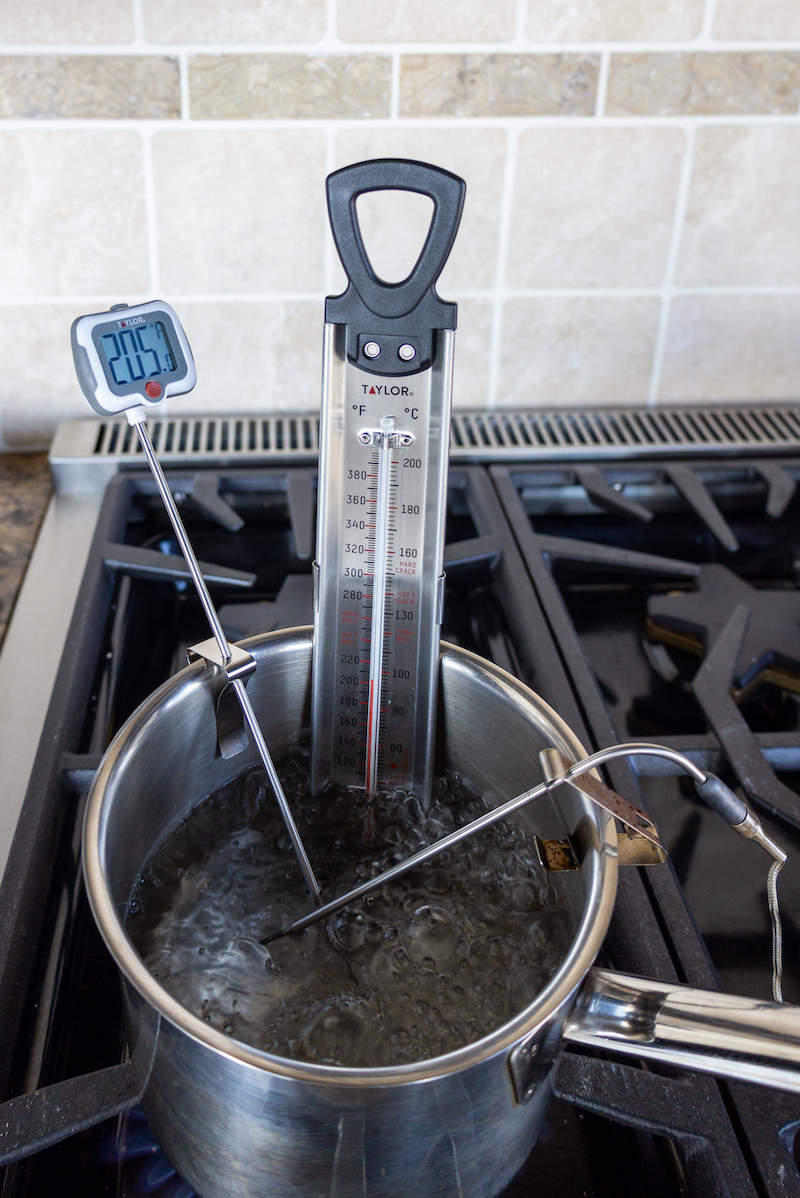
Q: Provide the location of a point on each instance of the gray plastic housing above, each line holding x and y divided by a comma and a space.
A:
93, 375
723, 800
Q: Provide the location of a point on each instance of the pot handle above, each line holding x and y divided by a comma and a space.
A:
746, 1039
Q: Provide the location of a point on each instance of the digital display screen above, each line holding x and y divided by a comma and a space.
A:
142, 352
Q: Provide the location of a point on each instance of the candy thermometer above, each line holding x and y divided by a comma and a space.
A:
384, 441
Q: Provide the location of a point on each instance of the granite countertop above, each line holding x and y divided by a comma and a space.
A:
25, 488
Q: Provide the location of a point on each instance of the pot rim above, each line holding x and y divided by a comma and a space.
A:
559, 991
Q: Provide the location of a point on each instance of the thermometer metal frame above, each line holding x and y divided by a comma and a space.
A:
381, 500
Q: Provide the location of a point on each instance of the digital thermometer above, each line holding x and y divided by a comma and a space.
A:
132, 356
384, 444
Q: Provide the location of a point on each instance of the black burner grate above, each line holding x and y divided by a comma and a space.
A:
618, 1129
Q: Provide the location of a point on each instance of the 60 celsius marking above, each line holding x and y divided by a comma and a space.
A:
381, 539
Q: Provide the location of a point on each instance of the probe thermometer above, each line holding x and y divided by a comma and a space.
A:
134, 357
384, 437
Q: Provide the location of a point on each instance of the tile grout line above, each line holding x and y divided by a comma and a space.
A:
332, 45
521, 22
330, 37
183, 67
139, 38
602, 83
721, 291
150, 212
439, 123
394, 92
498, 291
706, 37
669, 289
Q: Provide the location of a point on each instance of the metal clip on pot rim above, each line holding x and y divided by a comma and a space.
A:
239, 664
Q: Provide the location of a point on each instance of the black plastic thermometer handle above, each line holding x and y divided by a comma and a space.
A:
372, 308
394, 174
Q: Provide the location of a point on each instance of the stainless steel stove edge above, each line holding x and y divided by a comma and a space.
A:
86, 453
34, 644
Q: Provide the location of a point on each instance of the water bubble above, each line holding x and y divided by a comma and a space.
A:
523, 896
350, 927
425, 965
437, 881
374, 932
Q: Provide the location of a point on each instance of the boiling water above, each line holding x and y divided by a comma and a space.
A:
423, 966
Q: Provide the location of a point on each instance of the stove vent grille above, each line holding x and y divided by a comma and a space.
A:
624, 432
216, 436
85, 453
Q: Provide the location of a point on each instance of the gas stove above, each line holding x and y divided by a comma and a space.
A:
638, 569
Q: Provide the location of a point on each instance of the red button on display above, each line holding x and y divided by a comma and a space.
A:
153, 390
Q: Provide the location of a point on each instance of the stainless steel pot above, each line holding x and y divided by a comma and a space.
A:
239, 1123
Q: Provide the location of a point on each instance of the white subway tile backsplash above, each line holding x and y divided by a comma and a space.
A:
204, 21
730, 83
288, 86
37, 383
614, 20
73, 22
72, 213
271, 360
631, 229
766, 19
240, 210
473, 338
498, 84
478, 155
742, 222
94, 86
593, 207
732, 347
422, 21
576, 351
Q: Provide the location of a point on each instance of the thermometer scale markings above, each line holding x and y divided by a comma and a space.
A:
382, 546
380, 597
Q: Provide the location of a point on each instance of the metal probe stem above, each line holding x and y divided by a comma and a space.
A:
136, 416
180, 532
631, 749
433, 850
639, 749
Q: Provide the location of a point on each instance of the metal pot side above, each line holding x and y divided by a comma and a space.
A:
239, 1123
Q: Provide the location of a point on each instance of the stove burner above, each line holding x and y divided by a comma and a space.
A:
142, 1167
712, 686
528, 558
694, 620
